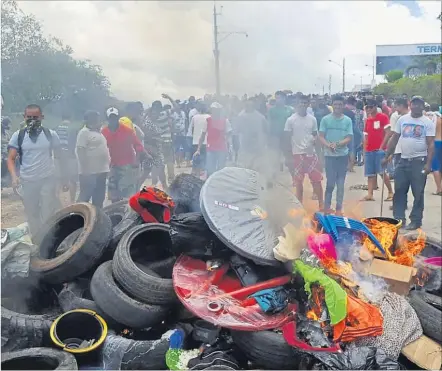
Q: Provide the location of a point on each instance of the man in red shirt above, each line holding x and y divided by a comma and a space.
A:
123, 146
218, 130
376, 134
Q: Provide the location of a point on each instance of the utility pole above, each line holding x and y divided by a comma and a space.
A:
329, 84
343, 75
323, 89
216, 50
218, 41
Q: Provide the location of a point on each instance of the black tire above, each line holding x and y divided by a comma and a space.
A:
136, 355
266, 349
433, 246
73, 296
39, 359
425, 306
163, 267
123, 218
118, 305
83, 255
139, 283
20, 331
185, 191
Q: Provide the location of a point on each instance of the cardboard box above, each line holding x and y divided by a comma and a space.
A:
425, 353
399, 277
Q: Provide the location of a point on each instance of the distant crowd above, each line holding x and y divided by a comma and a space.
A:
309, 135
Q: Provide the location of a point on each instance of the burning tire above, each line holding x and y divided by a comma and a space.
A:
39, 359
144, 286
123, 218
118, 305
20, 331
266, 349
85, 252
428, 308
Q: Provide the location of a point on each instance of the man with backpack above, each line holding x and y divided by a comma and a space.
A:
35, 145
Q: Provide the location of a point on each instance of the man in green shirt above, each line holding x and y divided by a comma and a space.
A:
277, 117
335, 132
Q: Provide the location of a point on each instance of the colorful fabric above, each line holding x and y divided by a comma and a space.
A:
335, 296
122, 181
153, 204
362, 320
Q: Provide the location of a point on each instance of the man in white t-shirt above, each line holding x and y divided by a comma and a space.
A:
416, 133
198, 121
93, 160
303, 130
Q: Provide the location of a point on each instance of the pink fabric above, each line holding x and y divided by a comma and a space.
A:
322, 246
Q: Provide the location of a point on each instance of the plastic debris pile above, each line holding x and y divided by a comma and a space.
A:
244, 279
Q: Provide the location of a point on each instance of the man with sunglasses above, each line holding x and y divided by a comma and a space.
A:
416, 133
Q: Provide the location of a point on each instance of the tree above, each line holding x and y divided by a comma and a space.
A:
39, 69
429, 87
393, 75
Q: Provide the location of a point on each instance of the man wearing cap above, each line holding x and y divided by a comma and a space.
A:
123, 146
93, 160
416, 133
218, 130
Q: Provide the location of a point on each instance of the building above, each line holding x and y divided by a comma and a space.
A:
413, 59
364, 88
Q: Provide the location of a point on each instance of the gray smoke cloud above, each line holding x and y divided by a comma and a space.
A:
150, 47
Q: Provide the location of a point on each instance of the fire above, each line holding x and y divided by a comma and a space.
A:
312, 315
386, 234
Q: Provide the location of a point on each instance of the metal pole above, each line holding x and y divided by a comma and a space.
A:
323, 89
343, 75
216, 51
329, 84
361, 84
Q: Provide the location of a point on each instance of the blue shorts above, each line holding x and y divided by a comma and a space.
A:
180, 143
437, 158
373, 163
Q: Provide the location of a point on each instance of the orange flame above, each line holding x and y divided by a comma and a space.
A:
386, 234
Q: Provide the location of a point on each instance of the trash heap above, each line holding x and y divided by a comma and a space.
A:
227, 275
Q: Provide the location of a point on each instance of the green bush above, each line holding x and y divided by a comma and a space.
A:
429, 87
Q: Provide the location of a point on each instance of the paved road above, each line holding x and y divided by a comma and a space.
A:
432, 223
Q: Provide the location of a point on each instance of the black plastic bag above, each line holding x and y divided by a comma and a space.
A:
354, 358
185, 192
190, 235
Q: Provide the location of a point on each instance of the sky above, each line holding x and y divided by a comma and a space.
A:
151, 47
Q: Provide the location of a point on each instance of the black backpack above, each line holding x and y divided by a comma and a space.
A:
21, 137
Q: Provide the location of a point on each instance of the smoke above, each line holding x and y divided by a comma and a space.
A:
150, 47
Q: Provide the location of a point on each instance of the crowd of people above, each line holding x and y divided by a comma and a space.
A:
399, 139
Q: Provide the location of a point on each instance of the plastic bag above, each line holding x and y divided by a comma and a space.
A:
191, 235
185, 191
355, 358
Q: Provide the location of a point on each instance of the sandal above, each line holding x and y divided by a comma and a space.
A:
366, 198
437, 193
389, 198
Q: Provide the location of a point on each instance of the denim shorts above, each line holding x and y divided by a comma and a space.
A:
373, 163
437, 158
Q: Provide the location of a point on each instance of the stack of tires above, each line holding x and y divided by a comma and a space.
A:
427, 301
105, 260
